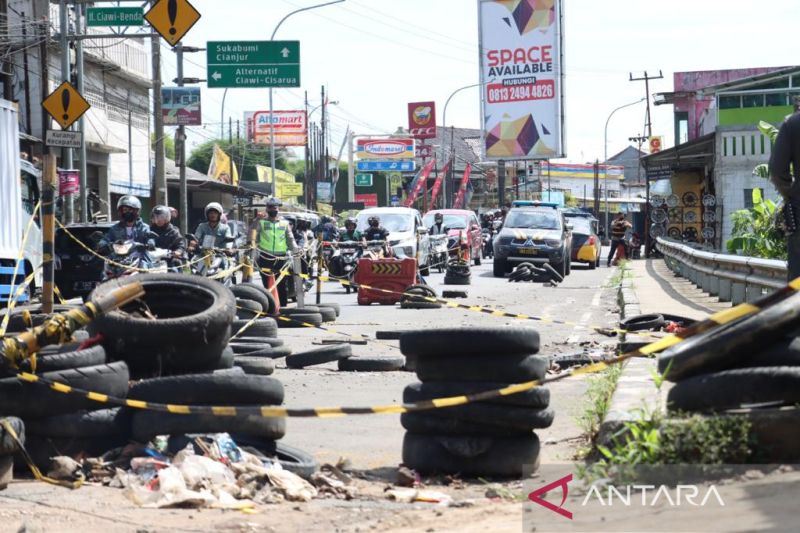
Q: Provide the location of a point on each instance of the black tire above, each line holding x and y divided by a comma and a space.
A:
454, 294
41, 449
425, 270
408, 300
471, 341
261, 366
560, 269
247, 309
568, 269
291, 311
519, 273
258, 340
592, 265
49, 362
290, 458
16, 322
515, 417
391, 335
732, 344
570, 360
555, 274
200, 309
537, 398
147, 424
7, 444
251, 291
512, 369
333, 305
372, 364
412, 304
457, 280
226, 359
253, 350
730, 389
328, 314
261, 327
83, 424
318, 356
423, 423
471, 456
498, 268
652, 321
784, 353
29, 400
300, 320
210, 389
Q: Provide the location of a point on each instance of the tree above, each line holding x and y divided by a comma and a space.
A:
245, 157
169, 146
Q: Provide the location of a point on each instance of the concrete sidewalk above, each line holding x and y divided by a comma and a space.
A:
660, 291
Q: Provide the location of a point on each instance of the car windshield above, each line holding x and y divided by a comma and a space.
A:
581, 225
532, 219
450, 221
393, 222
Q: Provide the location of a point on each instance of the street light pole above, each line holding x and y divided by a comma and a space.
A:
605, 150
271, 123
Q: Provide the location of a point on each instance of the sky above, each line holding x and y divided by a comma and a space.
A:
375, 56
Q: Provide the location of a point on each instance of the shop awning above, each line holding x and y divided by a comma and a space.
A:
697, 154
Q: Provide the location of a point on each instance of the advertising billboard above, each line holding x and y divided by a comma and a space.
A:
180, 106
521, 79
290, 127
385, 149
422, 120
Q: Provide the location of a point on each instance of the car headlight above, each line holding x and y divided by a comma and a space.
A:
552, 243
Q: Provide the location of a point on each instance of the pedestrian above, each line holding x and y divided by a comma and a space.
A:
272, 237
618, 228
785, 158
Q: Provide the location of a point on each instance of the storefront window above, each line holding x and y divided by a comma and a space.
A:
753, 100
777, 99
730, 102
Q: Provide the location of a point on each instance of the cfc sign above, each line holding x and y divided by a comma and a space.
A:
422, 120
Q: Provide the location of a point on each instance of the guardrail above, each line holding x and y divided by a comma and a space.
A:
732, 278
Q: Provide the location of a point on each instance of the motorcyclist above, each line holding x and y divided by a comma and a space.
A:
212, 233
167, 236
438, 225
328, 228
351, 233
130, 226
274, 239
376, 232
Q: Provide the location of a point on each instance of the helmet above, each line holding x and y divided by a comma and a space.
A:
129, 201
373, 220
161, 212
438, 216
215, 206
274, 202
350, 222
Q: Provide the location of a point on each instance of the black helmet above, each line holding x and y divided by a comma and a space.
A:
274, 202
438, 217
350, 221
373, 221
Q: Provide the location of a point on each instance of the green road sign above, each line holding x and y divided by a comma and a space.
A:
115, 16
363, 180
243, 64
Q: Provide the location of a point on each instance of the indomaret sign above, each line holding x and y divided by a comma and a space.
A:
521, 76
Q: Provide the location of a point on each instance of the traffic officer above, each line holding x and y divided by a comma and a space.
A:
784, 172
273, 239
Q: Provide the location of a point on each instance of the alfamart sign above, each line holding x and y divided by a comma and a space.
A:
522, 78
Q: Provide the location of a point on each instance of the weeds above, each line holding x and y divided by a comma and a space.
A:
599, 392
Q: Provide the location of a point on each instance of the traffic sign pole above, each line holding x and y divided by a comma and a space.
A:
66, 153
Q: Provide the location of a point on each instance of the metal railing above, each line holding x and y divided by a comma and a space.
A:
732, 278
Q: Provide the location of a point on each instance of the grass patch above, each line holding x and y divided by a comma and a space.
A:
621, 273
598, 400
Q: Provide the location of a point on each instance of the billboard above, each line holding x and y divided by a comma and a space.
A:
290, 127
385, 149
180, 106
521, 78
422, 120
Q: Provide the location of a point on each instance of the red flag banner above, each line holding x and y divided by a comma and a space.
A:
423, 179
462, 190
437, 185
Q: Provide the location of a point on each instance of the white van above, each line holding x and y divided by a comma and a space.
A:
405, 228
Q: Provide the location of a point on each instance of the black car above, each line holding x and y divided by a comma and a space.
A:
536, 234
77, 271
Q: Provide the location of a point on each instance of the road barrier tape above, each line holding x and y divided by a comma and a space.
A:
12, 302
717, 319
37, 474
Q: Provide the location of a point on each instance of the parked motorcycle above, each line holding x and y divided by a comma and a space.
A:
128, 258
439, 251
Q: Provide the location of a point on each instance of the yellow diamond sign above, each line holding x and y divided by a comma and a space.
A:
172, 19
65, 105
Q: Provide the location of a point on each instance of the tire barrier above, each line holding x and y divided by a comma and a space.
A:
457, 273
483, 438
530, 272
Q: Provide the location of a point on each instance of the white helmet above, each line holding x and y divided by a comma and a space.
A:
129, 201
215, 206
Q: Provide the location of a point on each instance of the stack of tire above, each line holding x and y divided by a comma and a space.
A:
530, 272
483, 438
8, 447
414, 297
315, 315
457, 273
750, 361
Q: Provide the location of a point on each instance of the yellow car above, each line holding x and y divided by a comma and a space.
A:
585, 242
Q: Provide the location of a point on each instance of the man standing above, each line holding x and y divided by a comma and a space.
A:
618, 228
273, 239
785, 158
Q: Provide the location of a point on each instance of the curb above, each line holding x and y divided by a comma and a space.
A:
636, 393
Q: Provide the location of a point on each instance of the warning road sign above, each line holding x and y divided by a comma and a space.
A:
65, 105
172, 19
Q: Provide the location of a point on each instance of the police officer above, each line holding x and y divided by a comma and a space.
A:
786, 152
272, 237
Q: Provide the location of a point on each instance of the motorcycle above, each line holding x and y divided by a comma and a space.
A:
486, 239
346, 261
215, 261
439, 251
375, 250
127, 258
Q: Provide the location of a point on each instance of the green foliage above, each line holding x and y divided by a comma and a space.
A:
762, 170
245, 156
755, 231
598, 400
169, 146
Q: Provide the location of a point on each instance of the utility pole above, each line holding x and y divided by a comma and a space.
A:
181, 142
160, 193
306, 175
324, 145
649, 127
6, 74
83, 204
501, 183
66, 153
43, 34
597, 189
